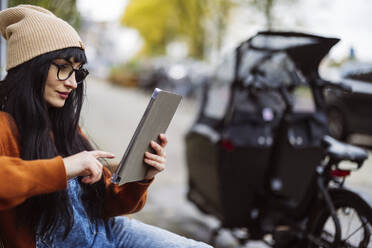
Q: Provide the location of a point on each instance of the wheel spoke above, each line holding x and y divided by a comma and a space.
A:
363, 225
355, 220
366, 232
352, 224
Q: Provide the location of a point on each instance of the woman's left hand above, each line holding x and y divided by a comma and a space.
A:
156, 161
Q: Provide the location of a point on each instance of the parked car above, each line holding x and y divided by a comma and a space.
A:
184, 77
351, 113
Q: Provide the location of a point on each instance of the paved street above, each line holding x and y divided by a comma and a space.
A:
110, 116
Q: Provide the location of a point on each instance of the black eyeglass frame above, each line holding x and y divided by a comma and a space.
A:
82, 73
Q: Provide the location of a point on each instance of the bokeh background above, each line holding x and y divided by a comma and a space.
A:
136, 45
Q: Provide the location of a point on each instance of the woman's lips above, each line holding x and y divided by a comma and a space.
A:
63, 95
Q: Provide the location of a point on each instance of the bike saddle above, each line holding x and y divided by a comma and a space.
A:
340, 151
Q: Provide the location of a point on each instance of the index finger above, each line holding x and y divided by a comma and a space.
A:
102, 154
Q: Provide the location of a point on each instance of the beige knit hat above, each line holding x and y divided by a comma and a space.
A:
32, 31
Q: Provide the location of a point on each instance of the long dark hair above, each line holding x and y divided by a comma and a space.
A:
45, 132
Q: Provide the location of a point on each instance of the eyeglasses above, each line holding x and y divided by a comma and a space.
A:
65, 71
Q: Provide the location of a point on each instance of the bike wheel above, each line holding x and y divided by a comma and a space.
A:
355, 217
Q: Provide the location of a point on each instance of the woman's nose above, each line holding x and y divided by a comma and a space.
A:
71, 81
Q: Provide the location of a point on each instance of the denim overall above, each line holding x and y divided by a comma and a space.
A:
122, 232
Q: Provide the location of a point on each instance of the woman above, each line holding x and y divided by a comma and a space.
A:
54, 192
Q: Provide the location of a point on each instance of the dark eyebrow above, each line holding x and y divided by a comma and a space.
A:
67, 61
71, 63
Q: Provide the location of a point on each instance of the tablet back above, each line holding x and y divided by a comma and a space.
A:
155, 120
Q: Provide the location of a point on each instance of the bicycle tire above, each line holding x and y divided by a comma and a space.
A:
320, 225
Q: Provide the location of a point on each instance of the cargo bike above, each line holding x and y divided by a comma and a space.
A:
259, 157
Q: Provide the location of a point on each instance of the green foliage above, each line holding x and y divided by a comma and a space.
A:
199, 23
160, 22
156, 23
65, 9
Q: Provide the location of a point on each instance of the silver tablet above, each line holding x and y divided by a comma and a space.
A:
155, 120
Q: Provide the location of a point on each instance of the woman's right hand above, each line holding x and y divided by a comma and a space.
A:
86, 164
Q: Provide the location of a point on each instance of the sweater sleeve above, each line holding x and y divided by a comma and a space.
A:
20, 179
126, 199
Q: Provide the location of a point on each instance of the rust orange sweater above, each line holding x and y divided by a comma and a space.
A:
20, 179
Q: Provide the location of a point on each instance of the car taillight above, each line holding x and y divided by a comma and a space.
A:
227, 145
340, 173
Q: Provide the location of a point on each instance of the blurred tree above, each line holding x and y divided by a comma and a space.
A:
160, 22
266, 7
65, 9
